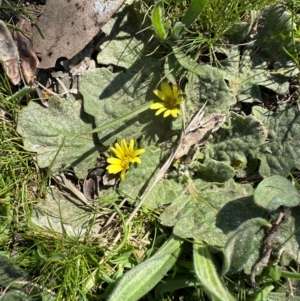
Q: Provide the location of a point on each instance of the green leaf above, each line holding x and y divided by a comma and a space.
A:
210, 212
163, 193
213, 171
58, 134
237, 144
274, 35
194, 10
264, 61
157, 19
188, 63
15, 295
281, 152
276, 191
242, 244
10, 274
208, 275
177, 30
142, 278
111, 95
288, 237
175, 283
209, 87
61, 214
139, 174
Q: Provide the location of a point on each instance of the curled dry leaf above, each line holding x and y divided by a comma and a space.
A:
29, 60
9, 56
66, 27
199, 133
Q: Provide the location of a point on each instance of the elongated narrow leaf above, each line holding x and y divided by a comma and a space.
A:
244, 243
141, 279
208, 276
193, 12
158, 20
187, 63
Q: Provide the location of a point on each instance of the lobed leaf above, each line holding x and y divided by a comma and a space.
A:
237, 144
59, 135
205, 210
210, 88
111, 95
281, 152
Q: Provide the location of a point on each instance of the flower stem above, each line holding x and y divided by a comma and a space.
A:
137, 111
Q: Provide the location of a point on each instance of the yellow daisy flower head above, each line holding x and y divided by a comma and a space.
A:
124, 156
171, 100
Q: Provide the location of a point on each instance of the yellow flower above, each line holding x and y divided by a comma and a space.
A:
125, 155
171, 100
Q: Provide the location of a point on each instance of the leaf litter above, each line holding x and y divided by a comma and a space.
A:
203, 205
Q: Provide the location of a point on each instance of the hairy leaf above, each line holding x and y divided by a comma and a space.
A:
208, 275
241, 245
264, 61
205, 211
109, 96
59, 135
142, 278
208, 87
62, 214
281, 152
157, 19
237, 144
276, 191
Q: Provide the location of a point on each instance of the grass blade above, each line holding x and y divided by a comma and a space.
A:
193, 11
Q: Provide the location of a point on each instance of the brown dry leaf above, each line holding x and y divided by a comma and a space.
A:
29, 60
9, 56
194, 135
68, 26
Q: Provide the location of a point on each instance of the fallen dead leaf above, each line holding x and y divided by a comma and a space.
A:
197, 132
9, 56
29, 60
66, 27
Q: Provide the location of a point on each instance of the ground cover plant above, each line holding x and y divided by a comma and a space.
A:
170, 171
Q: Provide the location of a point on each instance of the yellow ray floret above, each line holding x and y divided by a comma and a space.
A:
171, 100
124, 156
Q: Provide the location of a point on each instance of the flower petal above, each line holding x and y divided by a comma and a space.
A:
136, 160
167, 113
176, 93
114, 169
175, 112
114, 161
123, 174
116, 152
180, 101
159, 94
119, 151
166, 89
130, 148
138, 152
160, 111
157, 105
124, 147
